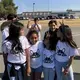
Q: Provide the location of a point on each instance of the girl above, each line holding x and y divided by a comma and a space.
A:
66, 49
48, 56
36, 49
16, 52
5, 34
36, 26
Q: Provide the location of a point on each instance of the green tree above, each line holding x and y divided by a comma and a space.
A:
7, 6
10, 9
2, 10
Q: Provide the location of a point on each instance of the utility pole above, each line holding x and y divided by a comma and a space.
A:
33, 7
48, 5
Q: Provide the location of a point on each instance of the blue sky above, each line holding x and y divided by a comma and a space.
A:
45, 5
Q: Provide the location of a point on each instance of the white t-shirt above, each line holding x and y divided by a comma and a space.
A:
48, 58
34, 25
5, 33
64, 51
16, 58
36, 54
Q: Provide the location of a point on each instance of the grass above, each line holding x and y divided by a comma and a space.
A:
44, 23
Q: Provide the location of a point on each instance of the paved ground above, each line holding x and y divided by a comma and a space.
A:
76, 63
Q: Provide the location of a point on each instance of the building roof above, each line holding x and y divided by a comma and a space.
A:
58, 12
70, 10
37, 11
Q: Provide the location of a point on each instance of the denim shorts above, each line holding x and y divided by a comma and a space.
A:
39, 69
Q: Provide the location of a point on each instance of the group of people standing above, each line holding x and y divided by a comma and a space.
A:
28, 55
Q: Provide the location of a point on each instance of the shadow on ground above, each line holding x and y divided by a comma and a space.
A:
76, 76
77, 58
1, 75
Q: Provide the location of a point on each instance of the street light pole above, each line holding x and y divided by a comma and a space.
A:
48, 5
33, 7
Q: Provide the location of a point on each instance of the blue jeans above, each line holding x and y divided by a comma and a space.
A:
18, 73
60, 74
49, 73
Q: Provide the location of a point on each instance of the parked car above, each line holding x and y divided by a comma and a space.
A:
23, 18
49, 17
42, 18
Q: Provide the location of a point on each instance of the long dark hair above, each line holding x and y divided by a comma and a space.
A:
52, 21
14, 34
52, 39
67, 35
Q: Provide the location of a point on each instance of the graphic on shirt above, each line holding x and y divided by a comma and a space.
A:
15, 50
48, 59
34, 54
61, 52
